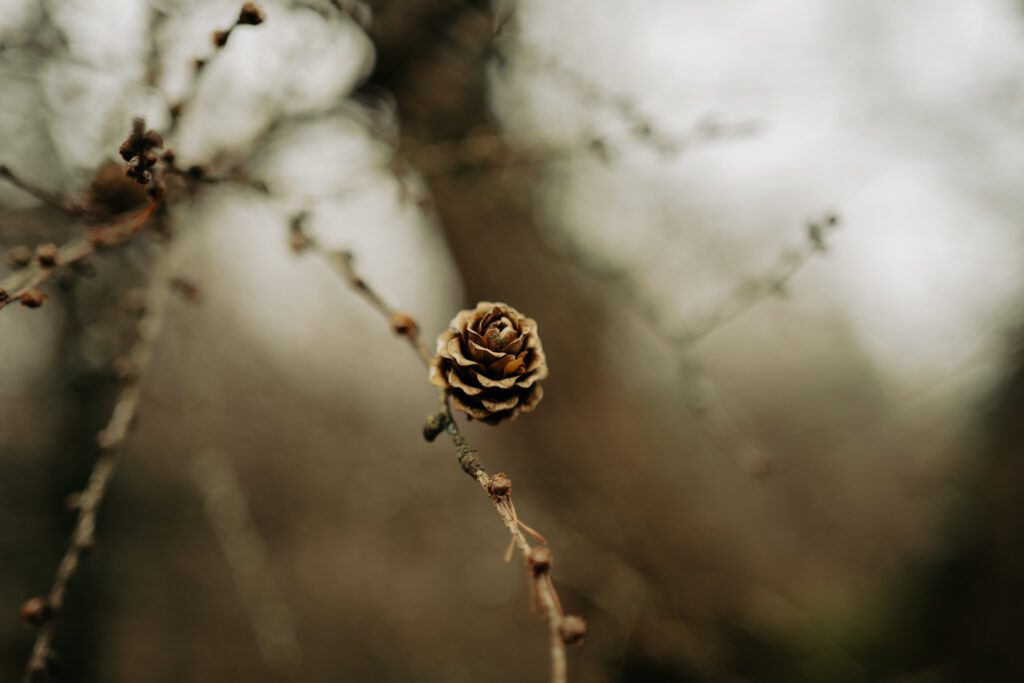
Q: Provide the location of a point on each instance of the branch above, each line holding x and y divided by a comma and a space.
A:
701, 396
563, 629
23, 284
249, 15
132, 369
45, 196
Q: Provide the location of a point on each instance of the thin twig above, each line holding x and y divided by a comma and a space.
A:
22, 284
563, 629
343, 263
250, 15
134, 365
53, 199
701, 396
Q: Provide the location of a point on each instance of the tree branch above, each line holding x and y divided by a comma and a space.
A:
22, 285
132, 368
564, 629
45, 196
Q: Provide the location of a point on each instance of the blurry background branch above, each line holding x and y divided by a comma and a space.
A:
132, 370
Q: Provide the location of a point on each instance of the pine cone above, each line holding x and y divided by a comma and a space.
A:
490, 361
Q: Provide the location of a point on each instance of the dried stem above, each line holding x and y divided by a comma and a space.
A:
250, 15
343, 263
45, 196
563, 629
135, 365
750, 293
21, 284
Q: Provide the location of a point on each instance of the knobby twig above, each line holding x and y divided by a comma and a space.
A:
638, 125
249, 15
564, 629
23, 284
701, 395
773, 282
132, 370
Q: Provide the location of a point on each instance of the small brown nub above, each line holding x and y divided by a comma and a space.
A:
434, 425
33, 298
36, 611
499, 486
573, 629
46, 255
403, 325
251, 14
540, 559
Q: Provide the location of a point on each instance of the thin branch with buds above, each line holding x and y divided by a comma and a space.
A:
132, 368
249, 15
564, 629
47, 259
701, 395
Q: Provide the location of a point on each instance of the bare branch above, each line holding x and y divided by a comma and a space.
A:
133, 368
22, 285
563, 629
45, 196
249, 15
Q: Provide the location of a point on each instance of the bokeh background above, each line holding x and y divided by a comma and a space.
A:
760, 457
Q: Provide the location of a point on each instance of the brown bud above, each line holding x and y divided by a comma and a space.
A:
220, 38
490, 361
4, 296
46, 255
188, 290
540, 559
36, 611
19, 256
33, 298
125, 150
403, 325
499, 486
434, 425
251, 14
573, 629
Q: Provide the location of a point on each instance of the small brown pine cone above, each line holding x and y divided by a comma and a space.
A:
491, 362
